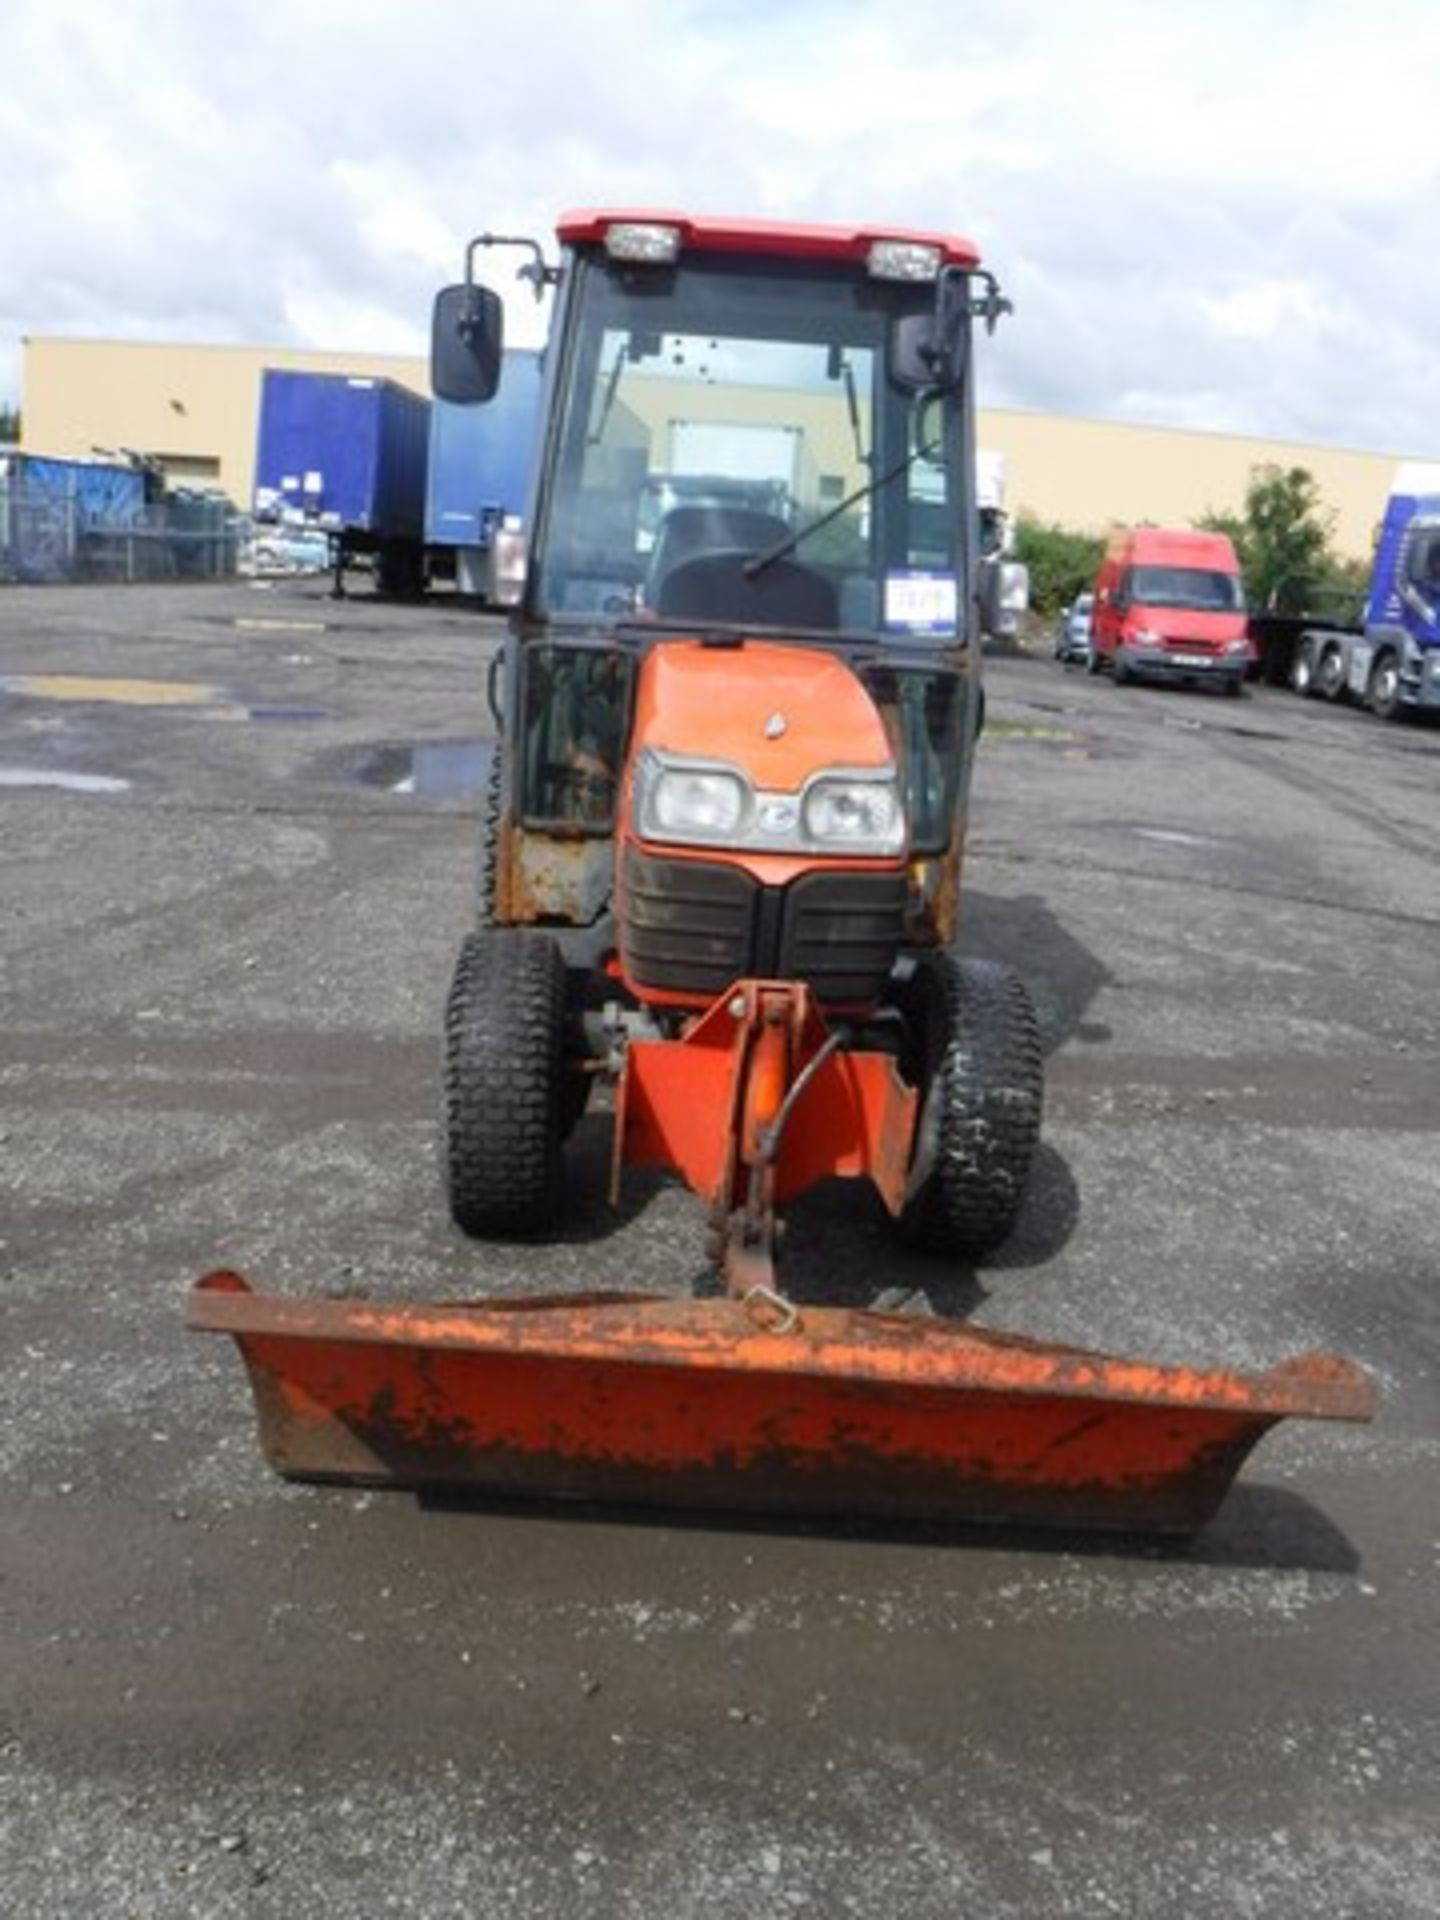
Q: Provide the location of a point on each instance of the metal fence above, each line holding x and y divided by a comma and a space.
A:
44, 539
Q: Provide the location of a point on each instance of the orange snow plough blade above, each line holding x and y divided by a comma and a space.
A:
752, 1406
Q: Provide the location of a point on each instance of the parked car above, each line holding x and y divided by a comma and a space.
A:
285, 549
1169, 605
1072, 636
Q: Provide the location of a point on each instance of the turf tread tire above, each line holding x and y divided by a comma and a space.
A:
503, 1083
984, 1095
487, 863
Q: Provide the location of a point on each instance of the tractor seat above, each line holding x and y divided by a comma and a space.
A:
715, 586
686, 531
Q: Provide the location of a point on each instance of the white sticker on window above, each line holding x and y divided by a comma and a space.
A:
919, 601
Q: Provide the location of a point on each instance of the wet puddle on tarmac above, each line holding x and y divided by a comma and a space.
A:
433, 770
1175, 837
55, 778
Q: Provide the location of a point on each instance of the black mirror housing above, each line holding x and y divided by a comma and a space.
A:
467, 341
930, 349
912, 351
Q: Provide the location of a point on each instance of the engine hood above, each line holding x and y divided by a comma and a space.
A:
779, 713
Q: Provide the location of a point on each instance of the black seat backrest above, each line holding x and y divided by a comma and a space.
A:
712, 528
715, 586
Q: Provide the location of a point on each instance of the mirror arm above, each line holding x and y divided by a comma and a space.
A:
989, 305
536, 271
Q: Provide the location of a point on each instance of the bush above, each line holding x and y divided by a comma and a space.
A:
1282, 539
1062, 562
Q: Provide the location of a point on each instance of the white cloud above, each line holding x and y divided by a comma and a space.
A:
1226, 217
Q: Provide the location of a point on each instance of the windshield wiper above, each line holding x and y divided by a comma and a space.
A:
755, 566
607, 402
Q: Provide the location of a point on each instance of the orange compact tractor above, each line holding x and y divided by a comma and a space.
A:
721, 866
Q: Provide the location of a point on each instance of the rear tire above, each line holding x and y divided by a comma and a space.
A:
1302, 674
488, 859
981, 1106
1330, 674
1123, 673
575, 1091
504, 1082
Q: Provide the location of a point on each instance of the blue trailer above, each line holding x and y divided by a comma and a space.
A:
346, 453
478, 481
1390, 661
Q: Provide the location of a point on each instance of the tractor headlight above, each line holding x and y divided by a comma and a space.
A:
685, 802
709, 803
850, 815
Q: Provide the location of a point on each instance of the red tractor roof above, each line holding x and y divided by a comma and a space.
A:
718, 233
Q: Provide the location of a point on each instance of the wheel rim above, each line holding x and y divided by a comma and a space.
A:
1386, 686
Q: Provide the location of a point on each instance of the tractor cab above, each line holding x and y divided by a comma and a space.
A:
752, 432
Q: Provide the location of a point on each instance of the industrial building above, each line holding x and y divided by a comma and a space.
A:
193, 409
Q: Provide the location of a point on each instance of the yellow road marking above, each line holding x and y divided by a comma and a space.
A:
128, 693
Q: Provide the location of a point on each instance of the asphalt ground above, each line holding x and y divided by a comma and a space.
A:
237, 861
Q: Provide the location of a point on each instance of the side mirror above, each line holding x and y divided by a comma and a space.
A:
912, 351
1002, 588
467, 339
931, 349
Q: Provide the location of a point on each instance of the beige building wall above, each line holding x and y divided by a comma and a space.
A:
196, 409
1093, 474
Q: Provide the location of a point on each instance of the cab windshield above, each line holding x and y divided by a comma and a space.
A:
1198, 589
733, 451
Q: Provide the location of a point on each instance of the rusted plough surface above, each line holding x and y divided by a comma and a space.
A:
752, 1406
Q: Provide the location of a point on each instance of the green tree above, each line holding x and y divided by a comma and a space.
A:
1282, 538
9, 423
1062, 562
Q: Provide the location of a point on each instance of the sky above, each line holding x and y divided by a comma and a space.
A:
1224, 217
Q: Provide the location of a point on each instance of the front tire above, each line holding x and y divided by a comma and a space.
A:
504, 1082
983, 1095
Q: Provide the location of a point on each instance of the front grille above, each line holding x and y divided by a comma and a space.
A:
690, 926
687, 925
842, 931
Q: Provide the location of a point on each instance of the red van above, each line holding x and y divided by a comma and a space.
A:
1170, 606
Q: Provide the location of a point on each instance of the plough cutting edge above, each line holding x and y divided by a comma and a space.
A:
753, 1405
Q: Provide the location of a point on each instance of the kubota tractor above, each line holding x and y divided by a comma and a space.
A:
721, 865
